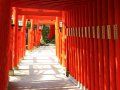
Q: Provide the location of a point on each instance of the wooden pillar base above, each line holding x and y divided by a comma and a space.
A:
84, 88
80, 86
67, 74
11, 72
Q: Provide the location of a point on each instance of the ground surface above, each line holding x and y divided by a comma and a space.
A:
40, 70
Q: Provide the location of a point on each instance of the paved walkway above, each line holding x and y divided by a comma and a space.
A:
40, 70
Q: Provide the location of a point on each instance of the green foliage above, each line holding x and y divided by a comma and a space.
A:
28, 24
45, 32
35, 26
52, 40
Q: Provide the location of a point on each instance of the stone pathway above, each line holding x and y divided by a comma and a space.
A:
40, 70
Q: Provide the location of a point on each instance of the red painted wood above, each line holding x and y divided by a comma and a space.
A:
66, 40
69, 31
92, 74
100, 46
112, 46
74, 46
12, 42
48, 4
82, 55
24, 35
68, 43
40, 17
63, 40
16, 38
72, 43
117, 43
5, 14
85, 43
51, 32
39, 12
89, 65
79, 45
105, 46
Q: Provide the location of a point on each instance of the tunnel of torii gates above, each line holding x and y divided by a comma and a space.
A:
87, 44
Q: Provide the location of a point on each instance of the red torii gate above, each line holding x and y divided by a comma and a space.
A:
93, 59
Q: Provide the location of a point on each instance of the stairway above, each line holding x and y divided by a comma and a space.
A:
40, 70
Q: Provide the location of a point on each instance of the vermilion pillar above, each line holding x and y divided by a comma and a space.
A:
82, 55
56, 35
79, 45
96, 48
92, 74
74, 44
12, 42
20, 40
67, 42
24, 35
84, 48
5, 19
105, 45
51, 32
89, 35
63, 40
100, 62
30, 36
117, 41
16, 37
85, 45
32, 33
70, 43
38, 34
110, 33
77, 42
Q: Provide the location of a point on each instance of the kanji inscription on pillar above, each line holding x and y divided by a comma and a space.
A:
70, 31
82, 32
66, 31
89, 34
76, 31
85, 32
98, 32
93, 29
103, 32
115, 28
73, 31
109, 31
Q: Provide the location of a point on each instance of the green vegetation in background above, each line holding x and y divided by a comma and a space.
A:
52, 40
28, 24
45, 32
35, 26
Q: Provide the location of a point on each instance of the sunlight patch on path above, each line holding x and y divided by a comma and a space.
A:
40, 70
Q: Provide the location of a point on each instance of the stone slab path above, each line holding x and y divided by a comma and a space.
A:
40, 70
